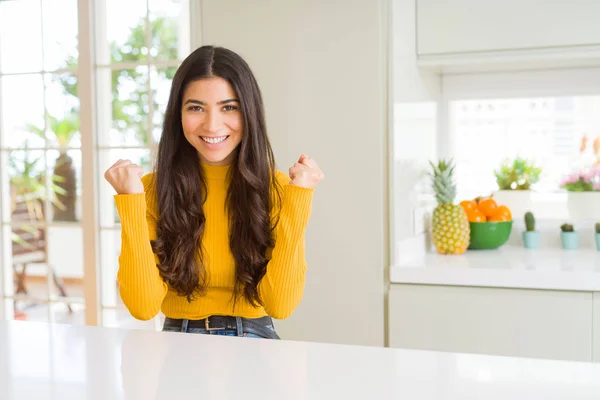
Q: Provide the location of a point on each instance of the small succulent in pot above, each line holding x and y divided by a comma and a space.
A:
597, 227
531, 238
597, 235
567, 228
568, 237
529, 222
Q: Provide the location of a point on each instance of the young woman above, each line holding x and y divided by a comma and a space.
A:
215, 236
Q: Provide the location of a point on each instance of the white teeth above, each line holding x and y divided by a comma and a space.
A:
213, 140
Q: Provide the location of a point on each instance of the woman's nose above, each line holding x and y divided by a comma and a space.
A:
212, 122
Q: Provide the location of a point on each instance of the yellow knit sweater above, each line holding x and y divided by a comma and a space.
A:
145, 293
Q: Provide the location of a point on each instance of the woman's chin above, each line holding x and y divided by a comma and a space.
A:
215, 159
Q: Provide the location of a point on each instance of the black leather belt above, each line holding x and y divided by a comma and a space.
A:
257, 326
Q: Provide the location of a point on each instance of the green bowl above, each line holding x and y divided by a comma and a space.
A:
489, 235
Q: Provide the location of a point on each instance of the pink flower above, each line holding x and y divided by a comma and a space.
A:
587, 176
571, 178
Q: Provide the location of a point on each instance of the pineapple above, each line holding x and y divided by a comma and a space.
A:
451, 231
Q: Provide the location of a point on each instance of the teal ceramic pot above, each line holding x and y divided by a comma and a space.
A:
532, 240
598, 241
570, 240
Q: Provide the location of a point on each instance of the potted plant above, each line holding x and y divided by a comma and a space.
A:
514, 179
531, 237
28, 188
568, 237
583, 189
597, 236
583, 183
61, 133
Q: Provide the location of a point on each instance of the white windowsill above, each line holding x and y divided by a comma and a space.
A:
507, 267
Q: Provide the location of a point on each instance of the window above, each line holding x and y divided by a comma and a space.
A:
137, 47
139, 50
40, 161
547, 130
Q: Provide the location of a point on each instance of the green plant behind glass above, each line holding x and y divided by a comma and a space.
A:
519, 174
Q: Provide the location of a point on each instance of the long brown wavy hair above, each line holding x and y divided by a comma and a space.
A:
181, 187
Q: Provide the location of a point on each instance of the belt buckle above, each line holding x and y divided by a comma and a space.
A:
208, 328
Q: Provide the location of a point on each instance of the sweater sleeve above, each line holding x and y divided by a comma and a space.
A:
282, 287
141, 287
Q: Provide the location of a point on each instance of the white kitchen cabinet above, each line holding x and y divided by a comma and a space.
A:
462, 26
498, 321
596, 328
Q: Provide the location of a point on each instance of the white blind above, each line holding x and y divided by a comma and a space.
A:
547, 130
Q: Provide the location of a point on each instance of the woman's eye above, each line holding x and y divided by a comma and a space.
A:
230, 108
194, 108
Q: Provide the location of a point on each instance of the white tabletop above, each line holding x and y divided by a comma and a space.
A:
41, 361
509, 267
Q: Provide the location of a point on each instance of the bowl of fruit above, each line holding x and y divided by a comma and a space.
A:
490, 223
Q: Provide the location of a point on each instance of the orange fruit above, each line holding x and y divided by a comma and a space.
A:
476, 216
498, 218
503, 211
468, 205
488, 206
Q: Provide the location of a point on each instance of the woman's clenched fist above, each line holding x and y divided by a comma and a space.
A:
125, 177
306, 173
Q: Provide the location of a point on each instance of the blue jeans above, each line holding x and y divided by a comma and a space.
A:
168, 327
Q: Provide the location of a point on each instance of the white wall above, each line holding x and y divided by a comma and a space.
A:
416, 103
321, 67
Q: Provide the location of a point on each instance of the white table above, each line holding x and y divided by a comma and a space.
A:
41, 361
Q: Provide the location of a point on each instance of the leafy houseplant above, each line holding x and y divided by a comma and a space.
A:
62, 132
531, 237
514, 179
519, 174
568, 237
27, 186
